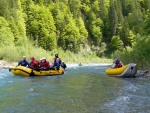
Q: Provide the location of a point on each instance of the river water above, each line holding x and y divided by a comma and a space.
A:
82, 89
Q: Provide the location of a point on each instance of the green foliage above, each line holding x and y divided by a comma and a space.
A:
71, 32
41, 27
135, 16
74, 6
12, 12
71, 36
113, 20
96, 31
124, 33
131, 37
83, 32
6, 36
15, 53
116, 43
102, 49
147, 25
73, 25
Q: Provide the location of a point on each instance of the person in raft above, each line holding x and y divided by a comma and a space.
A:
23, 62
45, 64
34, 63
57, 58
57, 63
117, 63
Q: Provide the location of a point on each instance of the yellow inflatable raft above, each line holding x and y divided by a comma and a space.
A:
125, 71
26, 71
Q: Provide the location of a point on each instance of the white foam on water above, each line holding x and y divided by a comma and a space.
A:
2, 75
10, 81
130, 88
119, 105
96, 64
31, 89
131, 98
72, 65
3, 78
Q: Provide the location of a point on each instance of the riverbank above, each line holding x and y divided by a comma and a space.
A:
6, 65
143, 73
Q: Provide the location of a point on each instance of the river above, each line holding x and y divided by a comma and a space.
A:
82, 89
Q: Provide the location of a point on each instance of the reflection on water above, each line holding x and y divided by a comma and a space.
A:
84, 89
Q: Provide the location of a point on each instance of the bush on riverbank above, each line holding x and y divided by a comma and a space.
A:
15, 53
139, 54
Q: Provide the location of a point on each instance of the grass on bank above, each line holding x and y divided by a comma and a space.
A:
15, 53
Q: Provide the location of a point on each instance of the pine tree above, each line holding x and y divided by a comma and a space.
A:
147, 25
113, 18
74, 6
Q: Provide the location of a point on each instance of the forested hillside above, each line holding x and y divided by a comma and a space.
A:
102, 26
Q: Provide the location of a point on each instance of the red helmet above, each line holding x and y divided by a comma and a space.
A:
32, 58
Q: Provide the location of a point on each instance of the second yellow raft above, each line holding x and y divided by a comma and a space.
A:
125, 71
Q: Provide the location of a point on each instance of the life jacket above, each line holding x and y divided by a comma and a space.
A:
23, 63
46, 65
118, 65
34, 64
59, 60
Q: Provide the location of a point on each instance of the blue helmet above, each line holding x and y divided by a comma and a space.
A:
116, 60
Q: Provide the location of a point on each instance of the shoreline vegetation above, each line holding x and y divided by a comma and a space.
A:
139, 54
11, 54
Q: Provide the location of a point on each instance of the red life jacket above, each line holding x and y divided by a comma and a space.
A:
46, 65
118, 65
34, 64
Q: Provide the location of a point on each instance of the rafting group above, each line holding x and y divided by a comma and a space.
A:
39, 67
43, 68
42, 63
